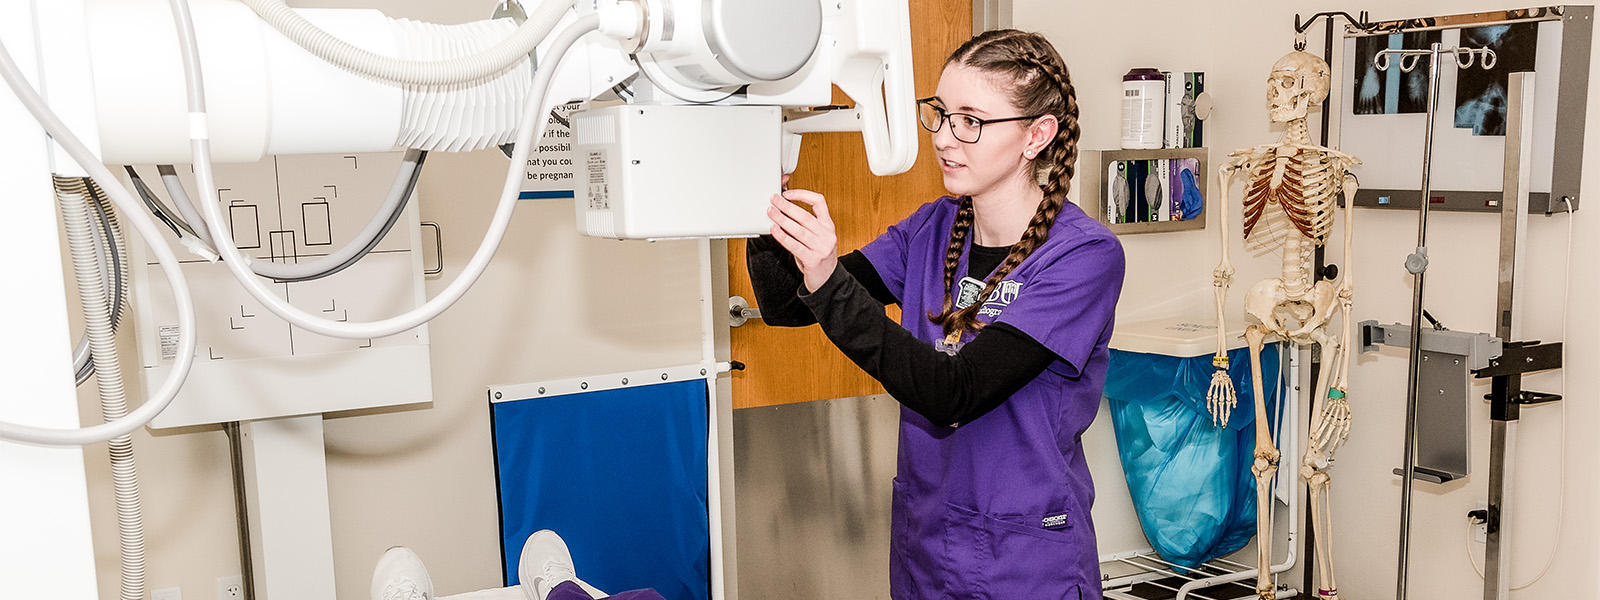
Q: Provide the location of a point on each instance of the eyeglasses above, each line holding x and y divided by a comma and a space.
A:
965, 127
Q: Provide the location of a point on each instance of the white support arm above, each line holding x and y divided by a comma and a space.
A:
871, 63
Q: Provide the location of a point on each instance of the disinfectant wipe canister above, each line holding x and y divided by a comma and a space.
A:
1144, 94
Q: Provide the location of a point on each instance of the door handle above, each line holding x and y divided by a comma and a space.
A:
740, 311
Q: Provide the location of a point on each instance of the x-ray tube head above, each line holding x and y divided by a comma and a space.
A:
723, 44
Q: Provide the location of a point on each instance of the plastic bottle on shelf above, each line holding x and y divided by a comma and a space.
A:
1144, 96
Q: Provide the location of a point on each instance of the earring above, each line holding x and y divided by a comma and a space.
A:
1028, 154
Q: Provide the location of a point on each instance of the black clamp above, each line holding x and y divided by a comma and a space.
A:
1506, 396
1517, 358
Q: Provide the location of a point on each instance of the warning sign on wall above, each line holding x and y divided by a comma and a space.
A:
551, 172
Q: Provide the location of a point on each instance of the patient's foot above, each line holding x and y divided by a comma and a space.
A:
546, 563
400, 575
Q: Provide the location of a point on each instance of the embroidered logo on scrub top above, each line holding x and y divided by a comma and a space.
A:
1054, 521
967, 292
1004, 294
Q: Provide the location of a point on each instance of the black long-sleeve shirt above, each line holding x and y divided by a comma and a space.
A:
946, 389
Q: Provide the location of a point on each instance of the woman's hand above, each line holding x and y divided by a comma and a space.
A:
809, 236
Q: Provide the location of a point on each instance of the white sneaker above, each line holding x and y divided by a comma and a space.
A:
545, 563
400, 575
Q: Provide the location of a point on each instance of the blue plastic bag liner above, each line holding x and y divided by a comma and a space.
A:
620, 475
1190, 480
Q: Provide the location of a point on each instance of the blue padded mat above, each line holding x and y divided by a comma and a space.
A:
620, 475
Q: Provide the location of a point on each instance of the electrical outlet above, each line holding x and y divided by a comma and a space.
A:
230, 588
1480, 531
167, 593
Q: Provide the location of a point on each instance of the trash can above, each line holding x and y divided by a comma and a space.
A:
1189, 479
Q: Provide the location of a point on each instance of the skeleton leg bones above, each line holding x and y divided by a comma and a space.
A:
1264, 468
1333, 422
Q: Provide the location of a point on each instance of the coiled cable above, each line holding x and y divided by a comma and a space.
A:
71, 193
111, 257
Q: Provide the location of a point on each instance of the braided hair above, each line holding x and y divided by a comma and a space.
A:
1040, 85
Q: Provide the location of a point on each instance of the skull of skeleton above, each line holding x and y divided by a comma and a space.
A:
1298, 82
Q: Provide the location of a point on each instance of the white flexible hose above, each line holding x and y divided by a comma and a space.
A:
147, 229
109, 250
533, 125
70, 193
413, 72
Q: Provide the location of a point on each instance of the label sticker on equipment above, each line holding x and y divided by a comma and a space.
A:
599, 195
169, 342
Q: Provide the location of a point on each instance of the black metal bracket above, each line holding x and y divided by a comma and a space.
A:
1527, 398
1517, 358
1506, 396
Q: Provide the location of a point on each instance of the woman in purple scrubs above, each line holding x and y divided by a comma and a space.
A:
1008, 292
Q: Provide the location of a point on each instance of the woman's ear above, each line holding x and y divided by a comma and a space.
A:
1040, 133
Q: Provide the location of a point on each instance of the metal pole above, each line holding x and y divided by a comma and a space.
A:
1503, 418
1417, 264
1496, 566
241, 509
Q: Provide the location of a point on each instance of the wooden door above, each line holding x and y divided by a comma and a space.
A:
784, 365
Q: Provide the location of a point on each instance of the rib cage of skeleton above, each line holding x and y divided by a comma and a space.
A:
1289, 209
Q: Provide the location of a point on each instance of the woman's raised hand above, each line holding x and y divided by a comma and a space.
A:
808, 235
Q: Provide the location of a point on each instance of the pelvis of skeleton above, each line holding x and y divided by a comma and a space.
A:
1290, 313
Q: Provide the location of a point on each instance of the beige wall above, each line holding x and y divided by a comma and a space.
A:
554, 305
1236, 46
551, 305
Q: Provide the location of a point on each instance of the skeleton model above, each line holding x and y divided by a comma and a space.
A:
1290, 188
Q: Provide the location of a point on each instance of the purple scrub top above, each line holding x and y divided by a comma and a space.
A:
998, 508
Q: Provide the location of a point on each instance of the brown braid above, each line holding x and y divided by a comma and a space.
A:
1041, 85
952, 256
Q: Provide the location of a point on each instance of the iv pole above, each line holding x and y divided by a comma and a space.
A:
1417, 265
